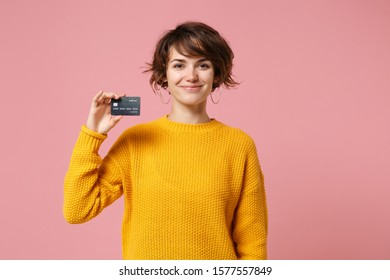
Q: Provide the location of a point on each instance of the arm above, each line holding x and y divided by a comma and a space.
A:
251, 216
91, 183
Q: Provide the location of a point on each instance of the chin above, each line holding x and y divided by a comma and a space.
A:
190, 99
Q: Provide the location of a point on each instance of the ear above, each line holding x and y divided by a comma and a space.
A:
216, 83
164, 84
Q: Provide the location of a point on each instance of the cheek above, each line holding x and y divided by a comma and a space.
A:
172, 77
209, 78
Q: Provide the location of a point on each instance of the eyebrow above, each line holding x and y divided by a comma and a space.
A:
183, 60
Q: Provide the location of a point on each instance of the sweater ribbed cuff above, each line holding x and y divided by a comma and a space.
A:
90, 139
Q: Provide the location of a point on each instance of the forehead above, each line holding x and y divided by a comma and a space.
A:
176, 54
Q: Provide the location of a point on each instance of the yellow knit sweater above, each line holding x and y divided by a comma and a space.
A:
190, 191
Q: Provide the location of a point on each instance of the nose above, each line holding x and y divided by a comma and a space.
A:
192, 75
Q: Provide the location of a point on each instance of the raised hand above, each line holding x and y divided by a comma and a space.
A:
100, 118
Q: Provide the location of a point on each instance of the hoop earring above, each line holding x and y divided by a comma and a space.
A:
219, 99
161, 96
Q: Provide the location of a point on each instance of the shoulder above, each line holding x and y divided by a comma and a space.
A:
138, 132
238, 140
141, 127
237, 134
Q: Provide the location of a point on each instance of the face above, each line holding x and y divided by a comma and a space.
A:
190, 79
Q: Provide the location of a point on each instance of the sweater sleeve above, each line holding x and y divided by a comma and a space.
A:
251, 216
91, 183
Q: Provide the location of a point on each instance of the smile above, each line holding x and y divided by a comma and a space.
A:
191, 88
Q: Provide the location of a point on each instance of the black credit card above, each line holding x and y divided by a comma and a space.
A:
126, 106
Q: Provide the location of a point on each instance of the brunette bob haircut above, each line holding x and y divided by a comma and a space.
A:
193, 39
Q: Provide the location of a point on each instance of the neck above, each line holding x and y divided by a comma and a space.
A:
190, 115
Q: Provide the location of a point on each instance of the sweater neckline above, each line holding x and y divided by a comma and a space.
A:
165, 123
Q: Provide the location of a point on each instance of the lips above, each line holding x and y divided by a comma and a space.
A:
191, 87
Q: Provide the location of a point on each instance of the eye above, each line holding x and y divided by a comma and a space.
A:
178, 65
204, 66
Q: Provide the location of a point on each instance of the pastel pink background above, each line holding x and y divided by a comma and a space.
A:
315, 97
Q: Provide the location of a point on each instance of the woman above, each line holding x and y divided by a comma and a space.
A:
192, 186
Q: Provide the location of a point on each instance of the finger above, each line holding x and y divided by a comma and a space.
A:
97, 96
116, 119
106, 97
118, 96
114, 96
